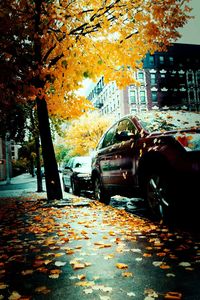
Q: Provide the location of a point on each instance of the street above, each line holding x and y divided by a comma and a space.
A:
78, 248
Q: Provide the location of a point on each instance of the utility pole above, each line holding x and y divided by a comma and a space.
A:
7, 148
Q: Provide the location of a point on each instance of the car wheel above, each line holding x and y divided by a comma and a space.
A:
159, 196
99, 193
66, 189
75, 189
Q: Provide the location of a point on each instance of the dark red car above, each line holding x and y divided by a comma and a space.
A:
153, 154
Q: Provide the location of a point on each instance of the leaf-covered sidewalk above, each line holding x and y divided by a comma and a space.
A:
92, 252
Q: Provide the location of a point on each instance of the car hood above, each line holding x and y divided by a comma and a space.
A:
82, 170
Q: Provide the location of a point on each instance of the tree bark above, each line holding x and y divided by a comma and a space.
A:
39, 173
52, 178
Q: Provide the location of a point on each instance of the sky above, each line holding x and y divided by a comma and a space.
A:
191, 31
190, 35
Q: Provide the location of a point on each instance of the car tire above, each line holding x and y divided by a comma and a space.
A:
159, 196
99, 193
75, 189
66, 189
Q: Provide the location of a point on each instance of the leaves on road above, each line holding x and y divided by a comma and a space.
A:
90, 246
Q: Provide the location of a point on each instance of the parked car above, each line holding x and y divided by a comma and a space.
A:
77, 174
153, 154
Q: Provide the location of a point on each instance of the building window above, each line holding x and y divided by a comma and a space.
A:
154, 96
190, 78
133, 109
142, 97
162, 75
171, 60
143, 109
161, 59
198, 78
151, 60
132, 97
141, 76
191, 95
153, 78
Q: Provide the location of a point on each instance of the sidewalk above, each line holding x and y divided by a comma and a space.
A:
91, 251
28, 185
23, 178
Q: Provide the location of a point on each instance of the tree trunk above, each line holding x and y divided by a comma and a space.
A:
39, 173
52, 178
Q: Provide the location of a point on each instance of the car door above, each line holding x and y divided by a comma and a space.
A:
124, 153
117, 158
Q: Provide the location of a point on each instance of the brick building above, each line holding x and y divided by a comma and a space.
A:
169, 78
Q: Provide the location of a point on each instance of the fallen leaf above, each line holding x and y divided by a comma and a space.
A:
54, 276
85, 283
14, 296
173, 295
127, 274
3, 286
121, 266
59, 254
55, 271
70, 251
78, 266
104, 297
131, 294
42, 289
60, 263
157, 263
109, 256
106, 289
164, 266
27, 272
88, 291
81, 276
170, 275
184, 264
147, 254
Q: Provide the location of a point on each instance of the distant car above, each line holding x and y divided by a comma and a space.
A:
153, 154
77, 175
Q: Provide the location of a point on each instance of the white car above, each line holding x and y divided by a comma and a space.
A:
77, 175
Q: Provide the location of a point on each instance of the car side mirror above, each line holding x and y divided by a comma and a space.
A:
124, 136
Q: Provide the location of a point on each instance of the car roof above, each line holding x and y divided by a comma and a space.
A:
167, 120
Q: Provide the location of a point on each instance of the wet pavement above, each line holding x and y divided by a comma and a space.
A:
78, 248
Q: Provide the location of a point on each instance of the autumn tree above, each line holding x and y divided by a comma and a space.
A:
63, 41
84, 133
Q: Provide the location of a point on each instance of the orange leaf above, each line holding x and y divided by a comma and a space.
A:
127, 274
121, 266
173, 295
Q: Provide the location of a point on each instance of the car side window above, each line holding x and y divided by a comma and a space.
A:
109, 137
127, 126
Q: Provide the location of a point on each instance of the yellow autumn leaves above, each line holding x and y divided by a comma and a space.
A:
77, 35
84, 133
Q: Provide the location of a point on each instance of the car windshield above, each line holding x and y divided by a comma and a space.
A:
82, 162
168, 120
